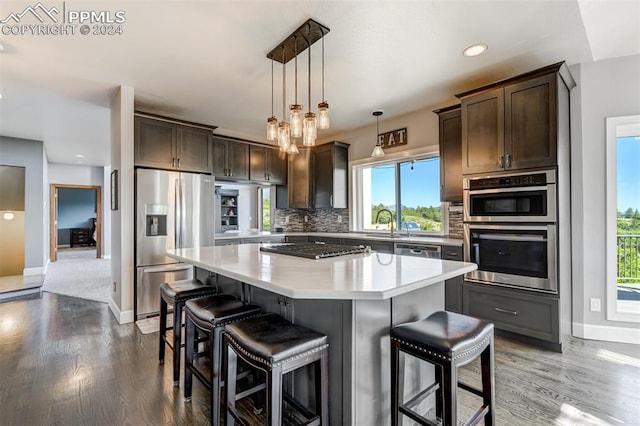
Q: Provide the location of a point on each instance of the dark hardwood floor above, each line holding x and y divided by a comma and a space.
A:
66, 361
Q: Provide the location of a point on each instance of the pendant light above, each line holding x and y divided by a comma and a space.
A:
309, 131
323, 107
283, 128
377, 151
295, 110
272, 122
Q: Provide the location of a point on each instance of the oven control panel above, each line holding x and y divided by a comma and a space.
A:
537, 179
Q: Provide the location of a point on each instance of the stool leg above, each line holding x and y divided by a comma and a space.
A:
438, 371
190, 338
322, 388
488, 384
450, 394
177, 341
215, 337
230, 375
274, 396
163, 330
395, 372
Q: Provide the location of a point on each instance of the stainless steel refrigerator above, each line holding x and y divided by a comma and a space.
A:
173, 210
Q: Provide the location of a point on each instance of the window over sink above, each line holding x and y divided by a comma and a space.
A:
410, 182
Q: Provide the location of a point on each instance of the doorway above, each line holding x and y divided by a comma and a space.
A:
80, 222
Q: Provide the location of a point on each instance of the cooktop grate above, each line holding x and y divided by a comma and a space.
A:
315, 250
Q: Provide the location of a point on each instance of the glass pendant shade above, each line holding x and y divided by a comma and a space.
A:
295, 120
272, 128
293, 149
284, 136
323, 115
377, 151
309, 132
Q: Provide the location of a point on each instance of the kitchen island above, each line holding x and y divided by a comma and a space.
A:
354, 299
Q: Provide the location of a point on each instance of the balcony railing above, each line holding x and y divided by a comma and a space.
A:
628, 259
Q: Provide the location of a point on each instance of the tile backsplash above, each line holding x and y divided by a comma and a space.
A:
317, 220
455, 220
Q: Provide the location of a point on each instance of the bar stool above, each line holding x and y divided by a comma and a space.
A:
272, 344
447, 340
209, 316
177, 293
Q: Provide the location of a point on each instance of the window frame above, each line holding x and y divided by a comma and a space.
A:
616, 127
356, 201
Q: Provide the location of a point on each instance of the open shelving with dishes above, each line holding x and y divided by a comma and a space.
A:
227, 208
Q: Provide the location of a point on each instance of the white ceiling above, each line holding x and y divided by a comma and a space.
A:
205, 61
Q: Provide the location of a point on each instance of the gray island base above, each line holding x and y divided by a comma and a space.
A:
353, 299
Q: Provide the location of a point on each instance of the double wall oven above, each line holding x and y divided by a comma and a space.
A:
510, 229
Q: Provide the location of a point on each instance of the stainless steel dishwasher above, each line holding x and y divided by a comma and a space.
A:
419, 250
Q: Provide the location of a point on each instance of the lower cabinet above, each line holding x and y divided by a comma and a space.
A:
296, 239
523, 312
328, 240
453, 287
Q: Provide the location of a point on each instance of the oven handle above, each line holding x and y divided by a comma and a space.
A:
505, 237
503, 190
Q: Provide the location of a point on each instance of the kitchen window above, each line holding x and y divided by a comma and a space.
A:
623, 218
266, 207
413, 183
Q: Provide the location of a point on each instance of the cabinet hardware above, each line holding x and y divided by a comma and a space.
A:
505, 311
230, 172
173, 162
501, 161
331, 200
178, 163
452, 253
508, 160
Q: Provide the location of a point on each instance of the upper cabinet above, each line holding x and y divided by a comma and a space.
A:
267, 165
450, 125
300, 177
230, 159
330, 170
515, 123
168, 145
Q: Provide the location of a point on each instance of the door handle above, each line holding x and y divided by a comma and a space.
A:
506, 311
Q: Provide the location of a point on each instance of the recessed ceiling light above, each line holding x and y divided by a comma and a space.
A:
79, 156
1, 47
475, 50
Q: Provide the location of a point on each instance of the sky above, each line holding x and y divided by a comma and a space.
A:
628, 173
420, 186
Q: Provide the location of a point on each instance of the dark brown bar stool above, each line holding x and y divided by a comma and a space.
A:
272, 344
208, 316
177, 293
447, 340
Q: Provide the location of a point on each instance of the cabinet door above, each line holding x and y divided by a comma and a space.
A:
238, 160
219, 166
451, 156
323, 177
194, 149
453, 286
277, 166
258, 164
531, 123
154, 143
483, 132
299, 178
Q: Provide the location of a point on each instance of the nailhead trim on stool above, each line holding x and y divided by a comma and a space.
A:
447, 340
272, 344
176, 293
210, 315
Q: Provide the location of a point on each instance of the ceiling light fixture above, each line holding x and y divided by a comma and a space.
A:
8, 215
301, 39
475, 50
79, 156
377, 151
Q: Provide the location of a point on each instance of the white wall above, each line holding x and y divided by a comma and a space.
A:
122, 238
606, 88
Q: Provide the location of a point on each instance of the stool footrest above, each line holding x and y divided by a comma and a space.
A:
250, 391
479, 415
420, 396
312, 419
471, 389
417, 417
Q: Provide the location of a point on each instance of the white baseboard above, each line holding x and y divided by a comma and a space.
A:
123, 317
607, 333
20, 293
28, 272
106, 256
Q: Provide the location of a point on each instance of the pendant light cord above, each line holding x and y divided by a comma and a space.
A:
309, 46
295, 48
322, 31
284, 85
272, 87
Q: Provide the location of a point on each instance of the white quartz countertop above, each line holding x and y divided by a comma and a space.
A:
400, 237
373, 276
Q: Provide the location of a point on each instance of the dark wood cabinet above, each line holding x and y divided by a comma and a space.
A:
450, 131
515, 124
300, 178
453, 287
330, 169
167, 145
267, 165
230, 159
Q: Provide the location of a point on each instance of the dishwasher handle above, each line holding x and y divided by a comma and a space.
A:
429, 251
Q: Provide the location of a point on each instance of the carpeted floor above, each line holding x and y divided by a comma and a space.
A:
80, 276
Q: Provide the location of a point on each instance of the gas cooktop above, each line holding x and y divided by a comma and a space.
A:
315, 250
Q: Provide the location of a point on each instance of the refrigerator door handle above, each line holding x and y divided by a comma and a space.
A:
182, 206
178, 213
